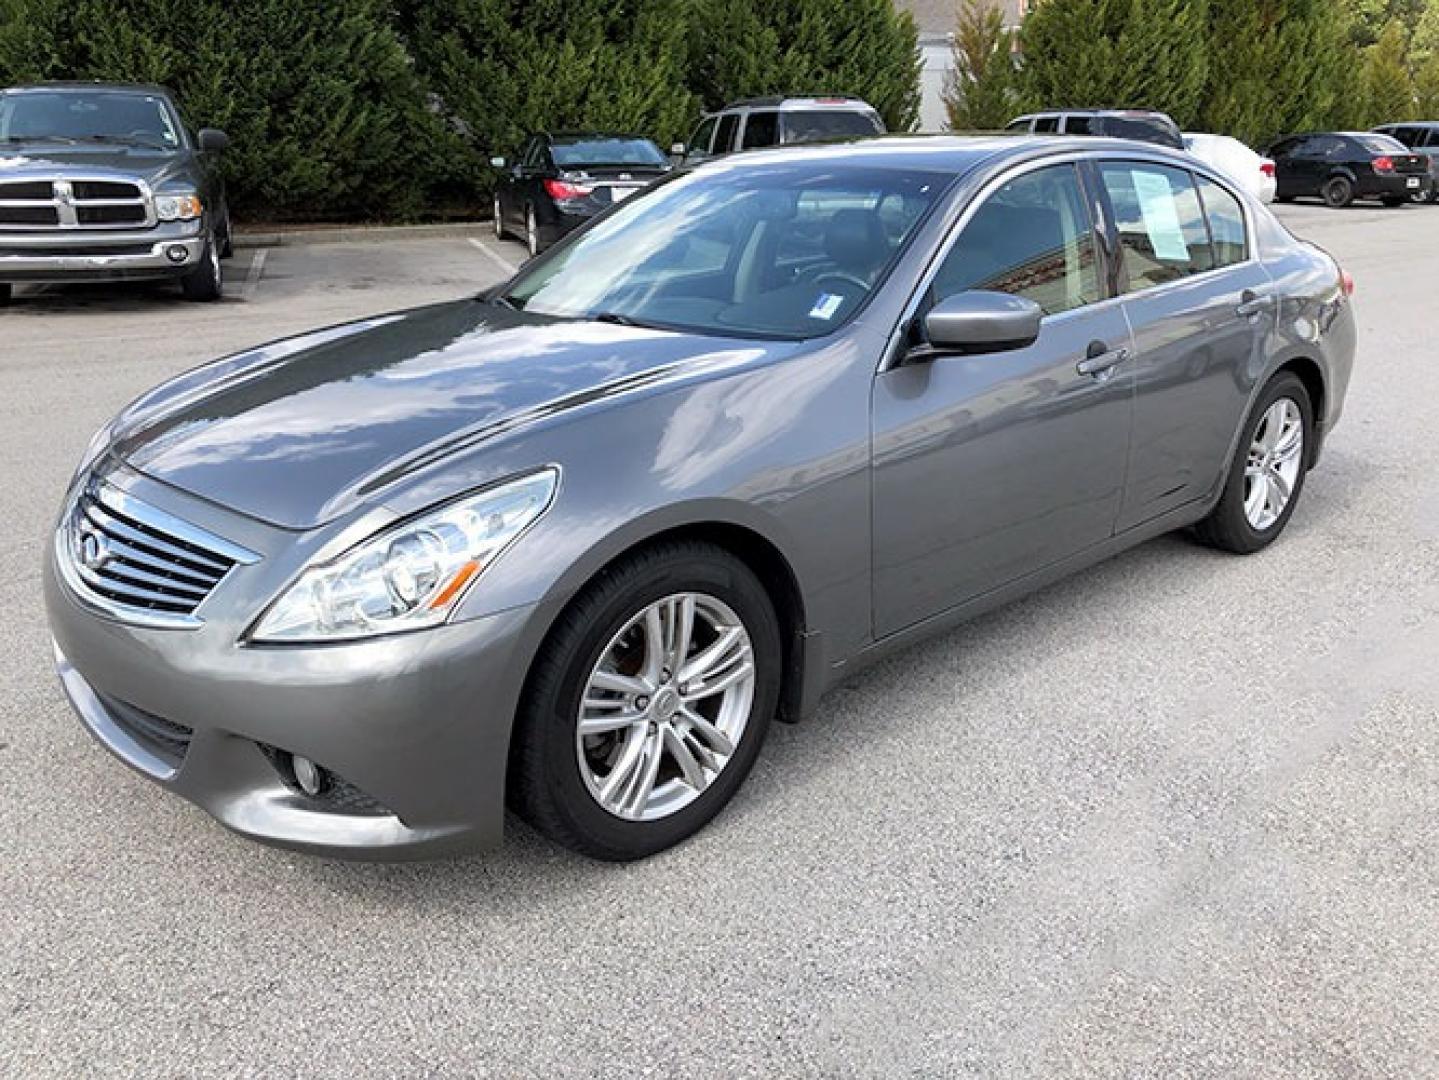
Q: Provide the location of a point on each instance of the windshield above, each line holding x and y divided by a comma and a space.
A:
786, 250
598, 150
817, 126
87, 116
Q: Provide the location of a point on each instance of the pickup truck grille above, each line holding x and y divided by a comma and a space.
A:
73, 204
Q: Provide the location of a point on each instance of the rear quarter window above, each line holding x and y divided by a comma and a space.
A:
1225, 215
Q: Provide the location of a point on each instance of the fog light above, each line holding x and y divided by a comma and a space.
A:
176, 253
309, 777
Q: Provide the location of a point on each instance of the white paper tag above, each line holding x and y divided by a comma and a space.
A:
826, 306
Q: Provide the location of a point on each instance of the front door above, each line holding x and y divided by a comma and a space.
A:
990, 467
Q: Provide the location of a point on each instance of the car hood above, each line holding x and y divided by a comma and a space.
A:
298, 436
155, 167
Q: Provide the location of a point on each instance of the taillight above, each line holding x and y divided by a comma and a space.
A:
1346, 279
1384, 163
1267, 168
563, 189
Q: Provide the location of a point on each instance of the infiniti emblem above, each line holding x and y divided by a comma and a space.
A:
94, 552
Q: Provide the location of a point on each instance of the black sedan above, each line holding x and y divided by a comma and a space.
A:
1342, 166
558, 182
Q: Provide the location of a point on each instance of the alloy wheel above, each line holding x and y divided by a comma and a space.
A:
665, 707
1275, 457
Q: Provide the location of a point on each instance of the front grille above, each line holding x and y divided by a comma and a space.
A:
90, 250
132, 555
164, 738
82, 203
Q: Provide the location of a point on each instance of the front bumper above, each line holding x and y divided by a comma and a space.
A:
61, 256
416, 726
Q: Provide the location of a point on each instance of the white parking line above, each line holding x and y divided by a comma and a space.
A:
496, 257
257, 269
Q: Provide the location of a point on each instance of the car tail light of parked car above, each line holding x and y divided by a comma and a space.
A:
1384, 163
563, 189
1267, 168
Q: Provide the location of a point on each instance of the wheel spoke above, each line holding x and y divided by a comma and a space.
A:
682, 623
723, 680
711, 659
1279, 490
1258, 497
689, 767
1289, 443
624, 768
713, 736
601, 725
619, 684
654, 629
639, 794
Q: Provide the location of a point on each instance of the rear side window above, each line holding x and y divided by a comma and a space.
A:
724, 141
700, 142
1079, 125
761, 129
1226, 223
1031, 238
1018, 125
1047, 124
1161, 226
1380, 144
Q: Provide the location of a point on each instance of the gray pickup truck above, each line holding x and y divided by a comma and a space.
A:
103, 182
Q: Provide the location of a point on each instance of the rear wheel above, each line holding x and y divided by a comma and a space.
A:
1338, 192
648, 703
206, 282
1268, 471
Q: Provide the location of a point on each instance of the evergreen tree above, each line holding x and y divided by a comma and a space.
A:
1388, 85
978, 93
743, 48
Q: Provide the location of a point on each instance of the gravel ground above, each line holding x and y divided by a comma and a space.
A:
1172, 817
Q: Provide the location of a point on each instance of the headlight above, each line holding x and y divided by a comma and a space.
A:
178, 207
99, 443
411, 575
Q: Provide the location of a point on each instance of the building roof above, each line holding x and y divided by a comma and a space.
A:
935, 17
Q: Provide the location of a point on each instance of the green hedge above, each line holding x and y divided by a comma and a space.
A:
389, 109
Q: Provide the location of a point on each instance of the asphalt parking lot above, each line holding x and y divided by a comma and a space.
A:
1172, 817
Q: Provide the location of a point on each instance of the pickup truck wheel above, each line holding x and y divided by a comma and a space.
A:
205, 282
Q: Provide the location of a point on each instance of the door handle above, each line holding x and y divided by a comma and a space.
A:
1252, 304
1101, 363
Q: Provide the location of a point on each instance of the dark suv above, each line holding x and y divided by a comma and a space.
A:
1142, 125
103, 182
1341, 166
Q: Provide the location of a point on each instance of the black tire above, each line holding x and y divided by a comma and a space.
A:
1227, 527
1338, 192
545, 784
7, 293
206, 282
1393, 201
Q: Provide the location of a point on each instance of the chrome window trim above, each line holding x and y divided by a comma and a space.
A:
894, 348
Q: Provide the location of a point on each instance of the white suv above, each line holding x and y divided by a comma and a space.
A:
774, 121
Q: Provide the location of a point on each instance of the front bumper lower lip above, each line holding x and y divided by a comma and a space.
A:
51, 268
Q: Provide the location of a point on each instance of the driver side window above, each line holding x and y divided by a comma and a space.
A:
1032, 238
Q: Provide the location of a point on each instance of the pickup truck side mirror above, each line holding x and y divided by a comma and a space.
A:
978, 321
213, 140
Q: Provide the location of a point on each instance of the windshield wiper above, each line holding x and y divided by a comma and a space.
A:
17, 139
618, 319
126, 140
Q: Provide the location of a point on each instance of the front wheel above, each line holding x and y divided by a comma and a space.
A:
648, 703
1268, 471
1338, 192
206, 282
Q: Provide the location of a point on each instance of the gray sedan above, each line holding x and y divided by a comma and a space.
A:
571, 546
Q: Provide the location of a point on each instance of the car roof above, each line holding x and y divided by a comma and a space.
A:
79, 84
1095, 112
808, 101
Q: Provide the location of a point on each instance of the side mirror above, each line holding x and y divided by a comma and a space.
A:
978, 321
213, 140
497, 162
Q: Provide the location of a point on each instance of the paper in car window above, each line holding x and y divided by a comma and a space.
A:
1161, 219
826, 306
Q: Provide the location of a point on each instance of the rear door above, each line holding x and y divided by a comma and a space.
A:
1201, 308
991, 467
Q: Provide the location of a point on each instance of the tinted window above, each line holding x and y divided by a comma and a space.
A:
1047, 124
531, 155
700, 141
1079, 125
1226, 223
1161, 227
1021, 124
1140, 128
779, 250
577, 153
802, 127
724, 141
761, 129
1380, 144
1031, 238
101, 115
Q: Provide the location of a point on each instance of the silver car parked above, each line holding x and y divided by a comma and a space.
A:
573, 544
